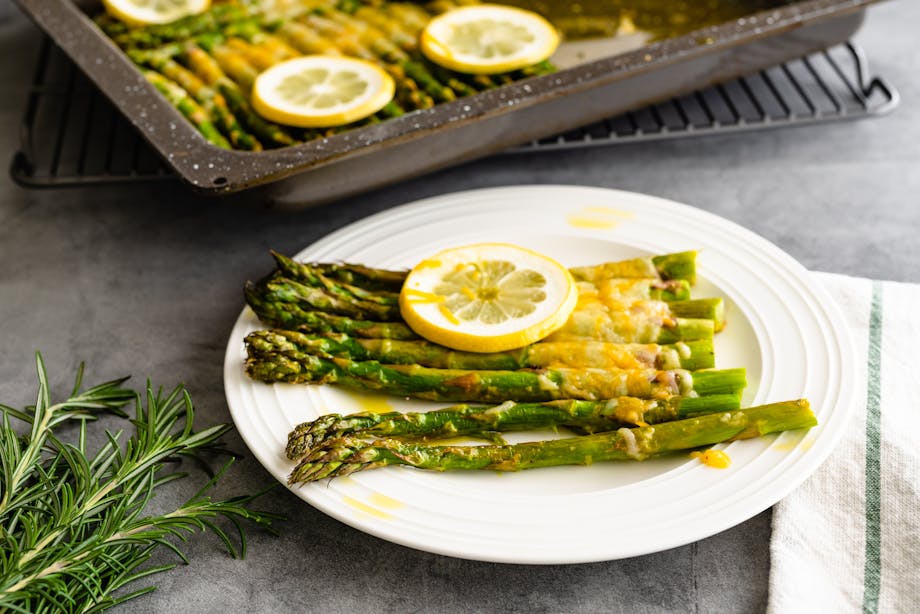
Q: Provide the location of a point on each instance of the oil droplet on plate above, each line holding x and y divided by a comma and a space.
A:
381, 500
365, 508
599, 218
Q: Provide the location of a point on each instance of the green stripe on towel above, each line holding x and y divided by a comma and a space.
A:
872, 574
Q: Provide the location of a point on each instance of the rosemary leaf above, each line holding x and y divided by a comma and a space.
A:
75, 532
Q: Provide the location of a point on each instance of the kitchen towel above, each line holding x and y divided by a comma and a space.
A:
848, 539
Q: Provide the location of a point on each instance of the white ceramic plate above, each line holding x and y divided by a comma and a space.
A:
782, 328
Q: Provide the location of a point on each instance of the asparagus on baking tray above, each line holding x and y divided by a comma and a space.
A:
242, 39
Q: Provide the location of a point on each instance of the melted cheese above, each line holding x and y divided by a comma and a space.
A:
582, 354
632, 447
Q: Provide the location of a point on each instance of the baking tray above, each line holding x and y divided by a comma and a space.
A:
422, 141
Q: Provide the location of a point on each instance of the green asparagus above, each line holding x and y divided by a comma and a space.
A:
492, 386
346, 455
194, 112
210, 72
679, 265
589, 416
241, 39
210, 99
316, 275
690, 356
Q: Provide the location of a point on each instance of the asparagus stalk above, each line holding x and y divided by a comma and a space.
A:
383, 47
589, 416
315, 275
691, 356
492, 386
614, 310
285, 303
346, 455
287, 291
294, 317
325, 275
210, 99
186, 105
261, 57
702, 308
212, 20
210, 72
235, 65
680, 265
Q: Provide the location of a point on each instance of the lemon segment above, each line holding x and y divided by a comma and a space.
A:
320, 91
488, 39
487, 297
147, 12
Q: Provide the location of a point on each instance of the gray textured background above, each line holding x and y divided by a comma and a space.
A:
147, 282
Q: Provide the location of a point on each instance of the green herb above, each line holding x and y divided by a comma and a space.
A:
73, 534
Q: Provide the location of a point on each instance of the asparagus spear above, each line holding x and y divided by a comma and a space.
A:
287, 291
186, 105
680, 265
630, 322
284, 303
492, 386
324, 275
261, 57
210, 72
691, 356
212, 20
308, 41
315, 275
290, 305
346, 455
376, 40
290, 316
211, 100
612, 310
235, 65
590, 416
702, 308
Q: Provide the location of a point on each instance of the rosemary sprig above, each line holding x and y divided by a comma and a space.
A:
73, 529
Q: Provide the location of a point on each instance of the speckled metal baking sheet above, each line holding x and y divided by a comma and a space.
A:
73, 136
419, 142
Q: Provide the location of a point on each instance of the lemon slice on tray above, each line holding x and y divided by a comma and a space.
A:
488, 38
319, 91
146, 12
487, 297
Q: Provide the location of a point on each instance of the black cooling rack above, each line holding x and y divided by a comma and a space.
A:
72, 136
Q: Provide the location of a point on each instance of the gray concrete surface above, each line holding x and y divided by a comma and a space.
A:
147, 282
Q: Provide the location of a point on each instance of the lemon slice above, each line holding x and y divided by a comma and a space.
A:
487, 297
319, 91
488, 38
146, 12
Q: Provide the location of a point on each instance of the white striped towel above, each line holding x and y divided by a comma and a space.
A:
848, 539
